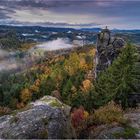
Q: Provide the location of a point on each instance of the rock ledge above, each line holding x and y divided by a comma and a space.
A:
45, 118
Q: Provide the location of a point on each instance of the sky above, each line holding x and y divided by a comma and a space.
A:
119, 14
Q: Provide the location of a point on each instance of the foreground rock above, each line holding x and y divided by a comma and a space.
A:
134, 118
45, 118
131, 130
105, 132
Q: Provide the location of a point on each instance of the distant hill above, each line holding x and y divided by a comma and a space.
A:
36, 28
39, 33
91, 29
126, 31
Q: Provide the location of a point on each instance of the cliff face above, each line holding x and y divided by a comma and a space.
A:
107, 49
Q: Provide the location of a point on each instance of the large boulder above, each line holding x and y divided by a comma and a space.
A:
45, 118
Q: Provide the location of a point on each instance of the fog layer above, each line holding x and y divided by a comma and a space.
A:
12, 60
57, 44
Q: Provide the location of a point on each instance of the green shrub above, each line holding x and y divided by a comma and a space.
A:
109, 113
128, 133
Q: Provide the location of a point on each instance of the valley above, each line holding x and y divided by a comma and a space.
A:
57, 74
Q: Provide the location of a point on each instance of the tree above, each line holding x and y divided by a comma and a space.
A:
118, 80
87, 85
71, 65
47, 86
66, 91
25, 95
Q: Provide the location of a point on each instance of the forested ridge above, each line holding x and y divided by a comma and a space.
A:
70, 78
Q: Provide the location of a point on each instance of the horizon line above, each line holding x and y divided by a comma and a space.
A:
43, 26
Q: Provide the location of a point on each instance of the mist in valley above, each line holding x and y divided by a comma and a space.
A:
57, 44
22, 60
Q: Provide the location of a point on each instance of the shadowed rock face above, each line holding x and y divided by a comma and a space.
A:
107, 49
45, 118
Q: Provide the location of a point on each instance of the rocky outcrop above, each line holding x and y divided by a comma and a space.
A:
134, 119
45, 118
105, 132
107, 49
133, 99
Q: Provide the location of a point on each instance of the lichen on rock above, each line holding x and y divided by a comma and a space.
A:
46, 118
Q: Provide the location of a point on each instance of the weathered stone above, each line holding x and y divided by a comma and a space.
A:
107, 49
45, 118
134, 99
133, 116
105, 132
104, 37
118, 43
110, 133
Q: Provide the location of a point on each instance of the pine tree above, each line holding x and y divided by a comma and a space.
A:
118, 80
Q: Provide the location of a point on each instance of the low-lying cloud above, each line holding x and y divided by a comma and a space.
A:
3, 54
10, 61
55, 45
8, 64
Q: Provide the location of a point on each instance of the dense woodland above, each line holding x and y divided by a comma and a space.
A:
64, 74
70, 78
67, 77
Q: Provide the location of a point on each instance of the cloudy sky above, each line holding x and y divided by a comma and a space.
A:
122, 14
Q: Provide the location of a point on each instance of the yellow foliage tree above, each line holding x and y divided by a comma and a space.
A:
83, 64
25, 95
34, 88
87, 85
71, 65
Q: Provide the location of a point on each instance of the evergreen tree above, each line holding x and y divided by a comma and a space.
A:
118, 80
67, 89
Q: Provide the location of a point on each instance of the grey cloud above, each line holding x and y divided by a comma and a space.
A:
48, 24
104, 7
69, 25
127, 10
35, 3
4, 13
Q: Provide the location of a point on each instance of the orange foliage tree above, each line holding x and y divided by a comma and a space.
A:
26, 95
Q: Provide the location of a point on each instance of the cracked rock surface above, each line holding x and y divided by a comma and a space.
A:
45, 118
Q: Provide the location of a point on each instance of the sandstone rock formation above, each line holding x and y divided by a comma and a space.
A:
107, 49
45, 118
